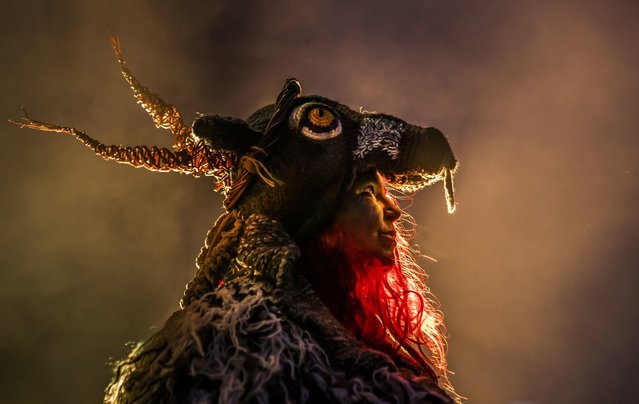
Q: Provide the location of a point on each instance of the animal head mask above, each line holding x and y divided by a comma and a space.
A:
292, 160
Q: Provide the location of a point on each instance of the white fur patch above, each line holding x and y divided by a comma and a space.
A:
378, 133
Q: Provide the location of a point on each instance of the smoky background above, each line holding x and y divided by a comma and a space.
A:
536, 272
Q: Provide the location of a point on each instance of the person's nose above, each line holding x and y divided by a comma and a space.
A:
391, 210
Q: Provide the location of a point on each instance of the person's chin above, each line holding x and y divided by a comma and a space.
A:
387, 256
387, 249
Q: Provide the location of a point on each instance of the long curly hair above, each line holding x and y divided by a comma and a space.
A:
388, 306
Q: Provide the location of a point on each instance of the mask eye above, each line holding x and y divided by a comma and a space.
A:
316, 121
320, 117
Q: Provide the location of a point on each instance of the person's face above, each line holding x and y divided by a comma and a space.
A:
366, 218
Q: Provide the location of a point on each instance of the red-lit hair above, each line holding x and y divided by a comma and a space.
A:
386, 305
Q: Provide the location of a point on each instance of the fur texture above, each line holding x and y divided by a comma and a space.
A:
379, 132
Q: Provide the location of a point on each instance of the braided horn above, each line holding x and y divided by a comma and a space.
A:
189, 157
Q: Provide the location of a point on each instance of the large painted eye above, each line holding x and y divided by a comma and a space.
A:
320, 117
316, 121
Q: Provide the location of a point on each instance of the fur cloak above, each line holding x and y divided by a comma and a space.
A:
252, 330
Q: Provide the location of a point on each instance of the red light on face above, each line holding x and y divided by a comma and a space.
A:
367, 216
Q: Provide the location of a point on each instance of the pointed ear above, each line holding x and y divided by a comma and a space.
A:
223, 133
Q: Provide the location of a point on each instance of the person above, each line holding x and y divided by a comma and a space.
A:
346, 322
306, 289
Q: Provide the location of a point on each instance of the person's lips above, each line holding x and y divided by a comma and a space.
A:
388, 243
390, 234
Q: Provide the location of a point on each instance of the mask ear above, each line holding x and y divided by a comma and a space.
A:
223, 133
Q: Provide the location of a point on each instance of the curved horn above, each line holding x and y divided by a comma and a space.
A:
165, 116
151, 158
